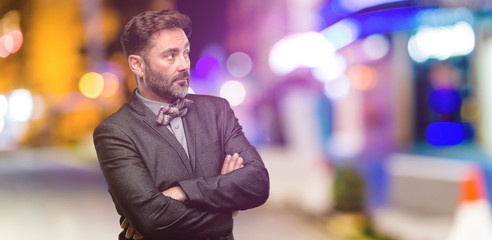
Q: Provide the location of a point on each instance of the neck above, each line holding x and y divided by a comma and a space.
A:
148, 94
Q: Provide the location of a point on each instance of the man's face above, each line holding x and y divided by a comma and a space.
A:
167, 69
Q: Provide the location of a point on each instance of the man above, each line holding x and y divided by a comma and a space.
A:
181, 177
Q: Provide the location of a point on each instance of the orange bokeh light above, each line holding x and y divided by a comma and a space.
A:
362, 77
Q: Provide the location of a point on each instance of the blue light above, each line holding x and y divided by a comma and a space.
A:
437, 17
342, 33
469, 132
369, 23
357, 5
444, 100
445, 133
336, 10
389, 20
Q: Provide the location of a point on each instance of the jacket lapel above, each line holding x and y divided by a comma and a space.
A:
190, 123
148, 117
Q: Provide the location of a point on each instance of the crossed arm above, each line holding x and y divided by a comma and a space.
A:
231, 163
210, 199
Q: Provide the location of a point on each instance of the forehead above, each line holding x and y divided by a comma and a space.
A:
169, 38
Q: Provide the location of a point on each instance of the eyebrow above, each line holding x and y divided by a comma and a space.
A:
172, 50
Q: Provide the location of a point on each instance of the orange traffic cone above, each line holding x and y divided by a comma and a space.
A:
473, 219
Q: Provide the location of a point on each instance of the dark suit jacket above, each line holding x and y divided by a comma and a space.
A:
140, 158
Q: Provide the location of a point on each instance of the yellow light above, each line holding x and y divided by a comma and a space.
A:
91, 84
111, 84
131, 83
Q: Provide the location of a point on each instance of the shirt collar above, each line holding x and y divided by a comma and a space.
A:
154, 106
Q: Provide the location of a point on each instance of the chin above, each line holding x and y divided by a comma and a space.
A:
181, 93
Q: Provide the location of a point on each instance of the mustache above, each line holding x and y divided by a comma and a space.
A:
182, 75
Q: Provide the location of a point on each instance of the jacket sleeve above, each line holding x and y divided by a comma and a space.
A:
134, 193
245, 188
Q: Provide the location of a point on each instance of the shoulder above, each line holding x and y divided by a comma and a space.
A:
122, 117
204, 98
206, 105
207, 100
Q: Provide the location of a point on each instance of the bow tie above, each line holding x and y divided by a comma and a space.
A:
177, 109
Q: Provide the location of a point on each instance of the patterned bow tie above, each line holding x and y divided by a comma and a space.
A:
177, 109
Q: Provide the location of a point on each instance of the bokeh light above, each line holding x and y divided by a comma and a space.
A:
375, 47
239, 64
39, 110
363, 99
313, 49
442, 42
10, 43
20, 105
91, 84
308, 49
342, 33
414, 51
3, 50
331, 70
279, 58
337, 89
3, 111
111, 84
362, 77
356, 5
234, 92
3, 106
444, 133
465, 38
2, 124
345, 144
18, 39
444, 100
207, 67
214, 50
11, 37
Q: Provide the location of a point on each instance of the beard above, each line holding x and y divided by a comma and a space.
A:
162, 84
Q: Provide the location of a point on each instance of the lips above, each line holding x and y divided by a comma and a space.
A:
181, 81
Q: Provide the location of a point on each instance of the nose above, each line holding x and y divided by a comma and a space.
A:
184, 63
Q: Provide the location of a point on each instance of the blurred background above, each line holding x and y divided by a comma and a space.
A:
372, 116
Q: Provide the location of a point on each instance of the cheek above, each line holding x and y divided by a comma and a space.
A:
163, 70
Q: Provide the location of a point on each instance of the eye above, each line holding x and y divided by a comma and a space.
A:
170, 56
186, 53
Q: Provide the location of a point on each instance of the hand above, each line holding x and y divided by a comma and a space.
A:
175, 193
232, 163
130, 231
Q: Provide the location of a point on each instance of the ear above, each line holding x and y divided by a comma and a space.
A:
137, 65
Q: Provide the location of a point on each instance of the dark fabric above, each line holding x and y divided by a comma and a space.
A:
121, 236
141, 158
